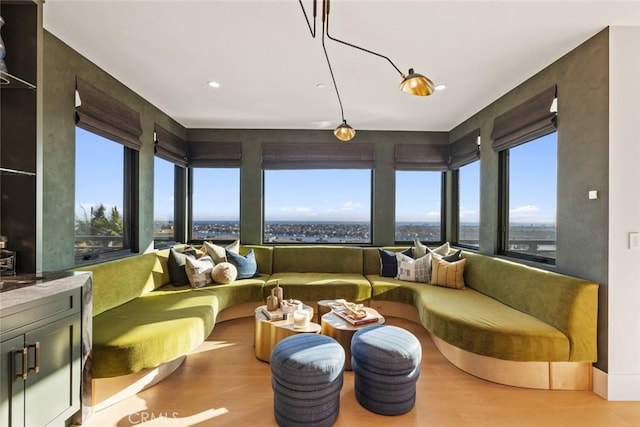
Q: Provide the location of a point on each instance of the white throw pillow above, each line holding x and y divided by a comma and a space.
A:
414, 270
199, 271
224, 273
218, 253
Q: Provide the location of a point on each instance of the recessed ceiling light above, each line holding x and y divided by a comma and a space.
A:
441, 86
321, 85
213, 83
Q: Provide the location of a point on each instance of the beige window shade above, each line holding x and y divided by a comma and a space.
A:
426, 157
464, 150
326, 155
214, 154
170, 147
104, 115
529, 120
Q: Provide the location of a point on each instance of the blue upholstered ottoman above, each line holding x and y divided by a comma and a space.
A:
386, 365
306, 376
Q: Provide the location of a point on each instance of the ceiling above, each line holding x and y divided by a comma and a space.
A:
268, 65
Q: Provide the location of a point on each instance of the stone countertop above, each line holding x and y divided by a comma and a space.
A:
18, 290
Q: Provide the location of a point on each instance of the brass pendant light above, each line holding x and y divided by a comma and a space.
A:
344, 132
416, 84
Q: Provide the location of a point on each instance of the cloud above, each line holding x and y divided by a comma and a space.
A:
525, 210
531, 214
298, 209
350, 206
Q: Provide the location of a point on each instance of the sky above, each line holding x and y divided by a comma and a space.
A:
320, 195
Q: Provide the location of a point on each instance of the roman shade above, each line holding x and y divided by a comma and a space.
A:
326, 155
104, 115
169, 146
212, 154
465, 150
530, 120
422, 157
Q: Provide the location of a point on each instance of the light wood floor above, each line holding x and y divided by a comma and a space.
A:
223, 384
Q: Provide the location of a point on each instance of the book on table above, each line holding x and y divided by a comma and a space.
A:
272, 315
355, 321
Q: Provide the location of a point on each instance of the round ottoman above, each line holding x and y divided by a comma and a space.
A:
306, 376
386, 365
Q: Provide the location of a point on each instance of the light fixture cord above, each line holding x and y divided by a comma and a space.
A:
353, 45
313, 32
326, 13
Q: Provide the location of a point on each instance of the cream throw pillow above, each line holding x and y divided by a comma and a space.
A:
420, 250
414, 270
218, 253
224, 273
448, 274
199, 271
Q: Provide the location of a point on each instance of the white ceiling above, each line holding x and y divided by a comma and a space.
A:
268, 64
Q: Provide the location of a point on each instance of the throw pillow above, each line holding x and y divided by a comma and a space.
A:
199, 271
419, 250
456, 256
218, 253
389, 262
224, 273
414, 270
175, 265
448, 274
246, 265
441, 250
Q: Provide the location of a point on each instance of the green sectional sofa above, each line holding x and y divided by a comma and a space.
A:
511, 324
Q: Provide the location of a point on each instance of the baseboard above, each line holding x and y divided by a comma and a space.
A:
616, 387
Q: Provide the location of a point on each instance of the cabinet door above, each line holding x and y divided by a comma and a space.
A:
53, 383
11, 384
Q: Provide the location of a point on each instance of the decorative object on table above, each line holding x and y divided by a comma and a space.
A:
301, 318
354, 310
3, 52
7, 259
272, 314
272, 301
356, 321
290, 305
278, 292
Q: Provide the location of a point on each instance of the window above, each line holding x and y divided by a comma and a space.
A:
163, 200
317, 206
531, 175
418, 206
469, 205
100, 205
215, 204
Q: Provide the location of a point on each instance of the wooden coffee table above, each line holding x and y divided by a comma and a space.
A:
342, 331
269, 332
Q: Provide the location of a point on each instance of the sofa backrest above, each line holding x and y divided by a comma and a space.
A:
119, 281
263, 254
567, 303
317, 259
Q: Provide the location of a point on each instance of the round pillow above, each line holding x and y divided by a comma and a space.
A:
224, 272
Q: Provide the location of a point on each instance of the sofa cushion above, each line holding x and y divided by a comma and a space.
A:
448, 274
317, 259
176, 262
389, 262
475, 322
263, 254
245, 264
371, 257
414, 270
199, 271
319, 286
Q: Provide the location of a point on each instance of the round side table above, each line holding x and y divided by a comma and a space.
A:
342, 331
269, 332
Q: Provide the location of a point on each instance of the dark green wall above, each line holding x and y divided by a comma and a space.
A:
582, 77
61, 66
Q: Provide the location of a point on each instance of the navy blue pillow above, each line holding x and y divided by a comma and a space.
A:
246, 265
389, 262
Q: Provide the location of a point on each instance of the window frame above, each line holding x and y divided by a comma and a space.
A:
179, 207
503, 209
371, 209
443, 208
455, 205
130, 204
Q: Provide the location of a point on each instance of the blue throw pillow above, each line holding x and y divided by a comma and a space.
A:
389, 262
246, 265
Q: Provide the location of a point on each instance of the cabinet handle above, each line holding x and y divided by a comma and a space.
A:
24, 353
36, 356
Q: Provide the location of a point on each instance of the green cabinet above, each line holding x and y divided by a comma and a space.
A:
40, 358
